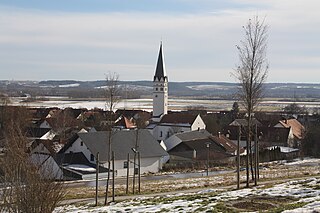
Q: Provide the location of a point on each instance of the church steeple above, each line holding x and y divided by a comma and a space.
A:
160, 89
160, 69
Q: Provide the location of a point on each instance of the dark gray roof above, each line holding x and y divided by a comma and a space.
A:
122, 143
193, 135
244, 122
160, 69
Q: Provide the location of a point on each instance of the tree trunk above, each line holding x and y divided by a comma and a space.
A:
128, 172
107, 186
238, 158
113, 176
248, 152
134, 173
97, 177
256, 155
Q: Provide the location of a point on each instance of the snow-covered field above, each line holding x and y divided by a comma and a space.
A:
297, 196
303, 195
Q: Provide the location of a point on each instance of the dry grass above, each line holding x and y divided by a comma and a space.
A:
275, 172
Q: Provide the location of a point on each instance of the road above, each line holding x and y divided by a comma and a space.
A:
102, 182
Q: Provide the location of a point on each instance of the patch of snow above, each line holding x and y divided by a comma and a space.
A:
303, 190
211, 87
69, 85
313, 161
81, 167
48, 136
283, 149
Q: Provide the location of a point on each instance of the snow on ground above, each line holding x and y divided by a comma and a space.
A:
81, 167
69, 85
305, 191
305, 161
283, 149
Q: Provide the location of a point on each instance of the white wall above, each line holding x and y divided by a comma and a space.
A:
48, 166
198, 124
152, 165
161, 133
77, 147
160, 98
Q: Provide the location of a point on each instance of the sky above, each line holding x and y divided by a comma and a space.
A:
85, 39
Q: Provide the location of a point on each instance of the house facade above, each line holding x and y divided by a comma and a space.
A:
123, 143
173, 123
41, 156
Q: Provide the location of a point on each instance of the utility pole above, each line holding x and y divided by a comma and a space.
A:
113, 170
139, 173
97, 177
208, 152
238, 158
134, 168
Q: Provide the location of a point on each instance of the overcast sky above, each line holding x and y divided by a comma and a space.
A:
84, 39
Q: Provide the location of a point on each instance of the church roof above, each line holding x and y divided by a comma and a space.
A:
160, 69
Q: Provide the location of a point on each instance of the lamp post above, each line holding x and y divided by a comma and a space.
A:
208, 152
136, 152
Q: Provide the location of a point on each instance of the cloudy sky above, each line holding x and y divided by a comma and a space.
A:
84, 39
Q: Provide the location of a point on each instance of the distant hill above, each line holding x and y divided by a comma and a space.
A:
136, 89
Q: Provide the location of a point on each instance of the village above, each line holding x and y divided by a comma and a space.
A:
69, 139
74, 145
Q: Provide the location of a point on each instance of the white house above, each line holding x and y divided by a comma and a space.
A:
152, 155
42, 157
174, 123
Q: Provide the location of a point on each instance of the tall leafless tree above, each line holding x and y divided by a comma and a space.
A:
26, 186
251, 72
112, 95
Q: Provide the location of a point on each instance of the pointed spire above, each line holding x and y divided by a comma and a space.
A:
160, 69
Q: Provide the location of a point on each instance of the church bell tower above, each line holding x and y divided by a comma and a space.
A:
160, 89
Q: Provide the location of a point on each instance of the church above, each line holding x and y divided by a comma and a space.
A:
164, 124
160, 89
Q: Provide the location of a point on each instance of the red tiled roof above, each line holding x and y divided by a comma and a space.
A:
297, 127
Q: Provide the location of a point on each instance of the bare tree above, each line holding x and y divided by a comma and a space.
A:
252, 72
112, 95
25, 185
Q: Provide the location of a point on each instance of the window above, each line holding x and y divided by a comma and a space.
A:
81, 143
125, 164
161, 89
156, 88
91, 157
160, 133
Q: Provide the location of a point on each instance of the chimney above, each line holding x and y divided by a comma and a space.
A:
219, 134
